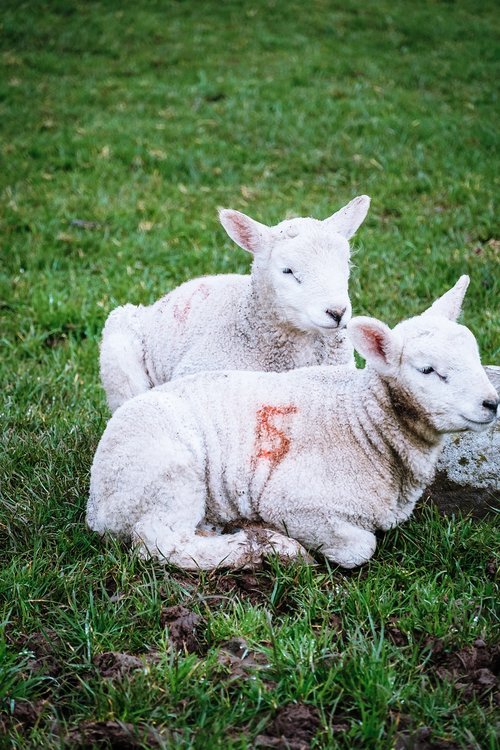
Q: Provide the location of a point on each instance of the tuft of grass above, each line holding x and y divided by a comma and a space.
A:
124, 127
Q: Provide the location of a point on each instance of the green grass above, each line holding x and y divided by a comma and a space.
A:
144, 119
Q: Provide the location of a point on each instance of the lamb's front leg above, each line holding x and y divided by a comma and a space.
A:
339, 541
349, 546
189, 548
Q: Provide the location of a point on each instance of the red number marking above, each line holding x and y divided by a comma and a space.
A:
272, 442
181, 312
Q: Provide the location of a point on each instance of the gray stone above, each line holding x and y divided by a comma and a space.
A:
468, 472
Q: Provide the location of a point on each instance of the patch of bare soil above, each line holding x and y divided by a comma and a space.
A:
410, 737
24, 716
187, 579
114, 664
42, 646
335, 623
182, 626
492, 570
474, 670
117, 735
422, 739
246, 586
396, 636
239, 660
293, 728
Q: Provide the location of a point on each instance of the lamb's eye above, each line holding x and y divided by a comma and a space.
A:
289, 270
426, 370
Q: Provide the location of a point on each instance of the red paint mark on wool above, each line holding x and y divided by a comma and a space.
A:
181, 312
271, 441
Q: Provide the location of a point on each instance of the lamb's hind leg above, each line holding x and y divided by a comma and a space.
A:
123, 371
184, 547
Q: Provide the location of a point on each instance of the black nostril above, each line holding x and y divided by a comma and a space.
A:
492, 405
336, 313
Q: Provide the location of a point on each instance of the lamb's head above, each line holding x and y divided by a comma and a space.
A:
303, 262
433, 362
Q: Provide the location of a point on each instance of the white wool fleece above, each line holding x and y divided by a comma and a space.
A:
290, 312
322, 456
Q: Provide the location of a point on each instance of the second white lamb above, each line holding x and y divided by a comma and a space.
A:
290, 312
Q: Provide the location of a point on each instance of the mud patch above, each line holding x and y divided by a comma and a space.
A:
410, 737
246, 586
492, 569
114, 665
182, 626
239, 661
24, 715
43, 660
473, 670
115, 734
188, 581
422, 739
293, 728
396, 636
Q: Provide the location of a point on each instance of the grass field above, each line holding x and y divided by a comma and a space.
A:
124, 126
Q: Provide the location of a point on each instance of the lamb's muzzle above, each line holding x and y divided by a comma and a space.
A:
491, 406
336, 314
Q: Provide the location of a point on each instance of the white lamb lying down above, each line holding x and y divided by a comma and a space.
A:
290, 312
323, 455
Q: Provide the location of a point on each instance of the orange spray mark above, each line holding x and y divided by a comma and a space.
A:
271, 442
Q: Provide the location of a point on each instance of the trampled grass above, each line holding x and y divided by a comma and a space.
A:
125, 126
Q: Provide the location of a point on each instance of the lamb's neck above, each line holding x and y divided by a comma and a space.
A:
261, 301
396, 429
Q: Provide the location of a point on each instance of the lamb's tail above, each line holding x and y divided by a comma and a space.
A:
124, 372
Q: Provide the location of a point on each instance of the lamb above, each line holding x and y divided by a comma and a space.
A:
322, 456
290, 312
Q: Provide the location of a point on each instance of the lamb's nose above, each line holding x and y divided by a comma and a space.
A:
491, 405
336, 313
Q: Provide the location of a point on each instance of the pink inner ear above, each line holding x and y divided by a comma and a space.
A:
376, 342
244, 232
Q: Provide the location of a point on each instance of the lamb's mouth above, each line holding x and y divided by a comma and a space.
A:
333, 327
474, 421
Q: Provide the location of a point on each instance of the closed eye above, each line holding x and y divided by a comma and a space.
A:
428, 370
289, 270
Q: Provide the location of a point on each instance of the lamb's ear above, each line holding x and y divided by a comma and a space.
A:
348, 220
246, 232
450, 304
376, 343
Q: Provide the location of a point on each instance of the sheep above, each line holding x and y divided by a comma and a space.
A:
290, 312
322, 456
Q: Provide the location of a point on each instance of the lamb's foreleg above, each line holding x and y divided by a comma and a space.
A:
340, 541
188, 548
351, 546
